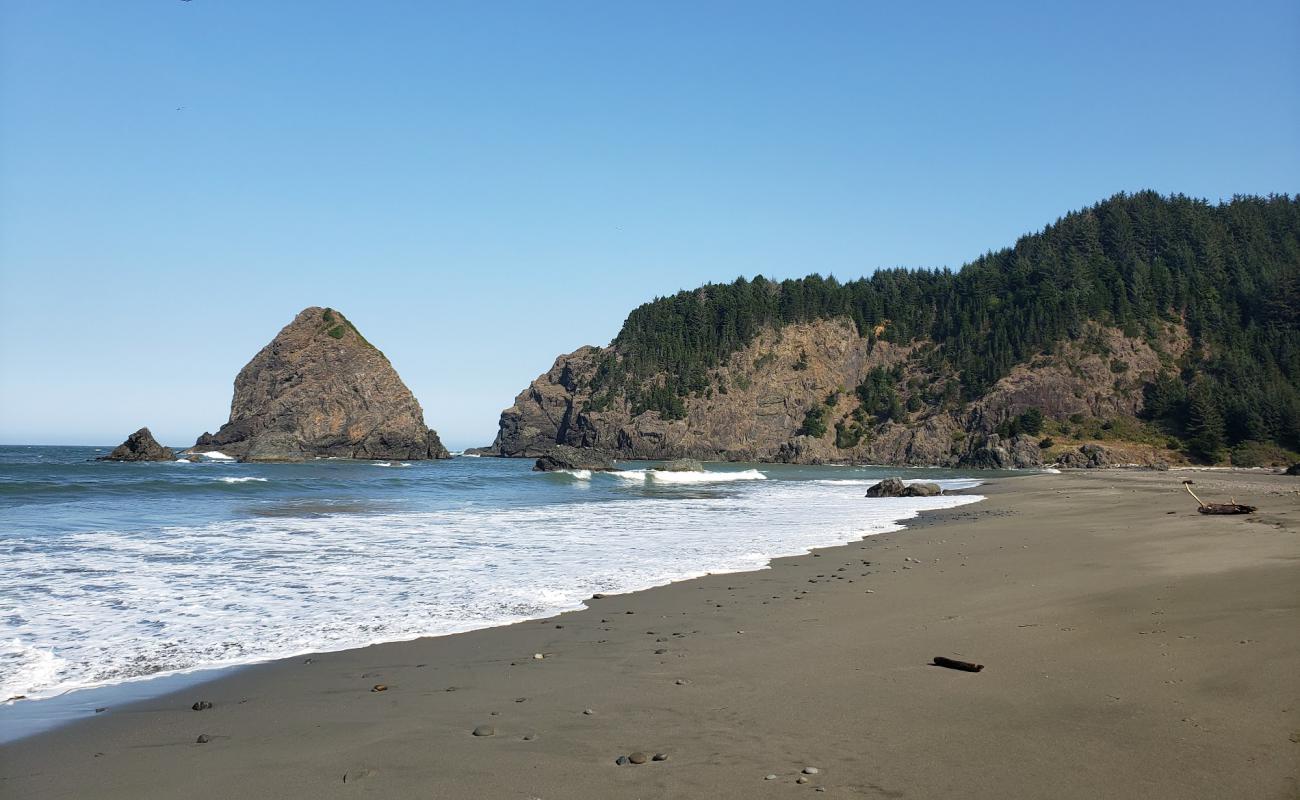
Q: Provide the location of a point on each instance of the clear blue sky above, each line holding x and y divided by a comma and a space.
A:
481, 186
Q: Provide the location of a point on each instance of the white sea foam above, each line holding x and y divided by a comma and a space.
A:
577, 474
106, 606
245, 479
216, 455
26, 671
693, 476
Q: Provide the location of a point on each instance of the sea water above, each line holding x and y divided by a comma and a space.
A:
118, 572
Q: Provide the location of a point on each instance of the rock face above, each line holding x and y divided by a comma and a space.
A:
759, 398
320, 389
1089, 456
140, 446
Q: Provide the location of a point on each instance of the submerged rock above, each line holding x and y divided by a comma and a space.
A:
140, 446
320, 389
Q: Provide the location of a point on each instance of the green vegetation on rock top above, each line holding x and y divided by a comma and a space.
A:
1229, 272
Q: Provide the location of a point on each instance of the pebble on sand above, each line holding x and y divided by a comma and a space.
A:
810, 770
801, 779
588, 712
638, 757
203, 739
485, 730
659, 757
770, 778
621, 760
539, 656
379, 687
202, 705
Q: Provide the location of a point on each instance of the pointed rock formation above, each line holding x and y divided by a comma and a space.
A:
140, 446
320, 389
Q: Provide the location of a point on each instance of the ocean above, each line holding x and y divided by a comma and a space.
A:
117, 572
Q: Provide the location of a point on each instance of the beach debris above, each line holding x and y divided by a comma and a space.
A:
1232, 507
485, 730
952, 663
203, 739
638, 757
810, 770
659, 757
379, 687
354, 775
202, 705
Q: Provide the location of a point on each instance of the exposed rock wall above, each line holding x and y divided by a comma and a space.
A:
760, 397
320, 389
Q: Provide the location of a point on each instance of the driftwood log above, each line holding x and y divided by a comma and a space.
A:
952, 663
1218, 508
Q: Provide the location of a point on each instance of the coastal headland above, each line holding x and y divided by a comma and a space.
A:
1131, 648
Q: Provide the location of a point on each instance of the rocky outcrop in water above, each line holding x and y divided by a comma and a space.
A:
758, 403
894, 487
561, 457
140, 446
320, 389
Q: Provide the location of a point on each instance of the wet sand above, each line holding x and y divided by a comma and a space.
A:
1133, 648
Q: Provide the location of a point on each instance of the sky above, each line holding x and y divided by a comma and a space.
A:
483, 186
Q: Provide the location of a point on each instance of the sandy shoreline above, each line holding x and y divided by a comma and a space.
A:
1130, 653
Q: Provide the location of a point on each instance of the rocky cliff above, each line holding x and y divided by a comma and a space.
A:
319, 389
140, 446
791, 396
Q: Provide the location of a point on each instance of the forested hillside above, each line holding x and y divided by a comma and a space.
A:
1228, 275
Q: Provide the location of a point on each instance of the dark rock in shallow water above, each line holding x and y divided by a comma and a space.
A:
140, 446
894, 487
1294, 469
319, 389
563, 457
682, 465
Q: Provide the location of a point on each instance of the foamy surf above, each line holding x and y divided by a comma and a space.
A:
661, 476
332, 555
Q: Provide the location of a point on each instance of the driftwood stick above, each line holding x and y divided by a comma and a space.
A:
1188, 486
952, 663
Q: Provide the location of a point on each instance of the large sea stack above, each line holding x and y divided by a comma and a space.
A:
140, 446
319, 389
